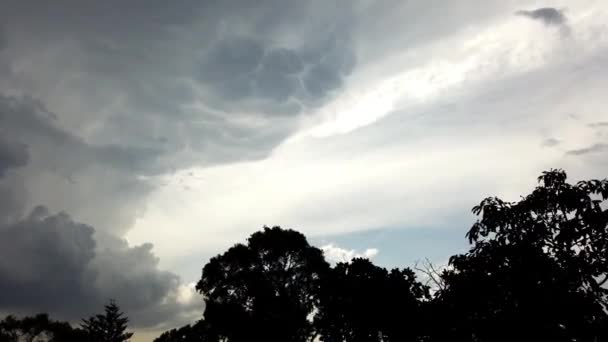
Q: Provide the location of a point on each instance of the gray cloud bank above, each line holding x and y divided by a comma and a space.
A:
107, 97
99, 99
51, 263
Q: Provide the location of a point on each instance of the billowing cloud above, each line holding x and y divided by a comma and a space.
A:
189, 124
98, 103
51, 263
59, 162
334, 253
415, 146
123, 95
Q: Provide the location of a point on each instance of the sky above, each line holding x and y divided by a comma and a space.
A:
138, 139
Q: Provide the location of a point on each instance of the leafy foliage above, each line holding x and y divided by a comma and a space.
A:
108, 327
37, 328
536, 270
363, 302
266, 289
198, 332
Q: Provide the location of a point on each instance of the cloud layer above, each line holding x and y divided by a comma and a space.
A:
51, 263
190, 125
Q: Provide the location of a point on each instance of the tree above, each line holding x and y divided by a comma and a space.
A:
108, 327
361, 302
198, 332
266, 290
37, 328
537, 268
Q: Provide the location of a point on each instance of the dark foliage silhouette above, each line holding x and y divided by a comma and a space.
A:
108, 327
536, 271
265, 290
38, 328
363, 302
198, 332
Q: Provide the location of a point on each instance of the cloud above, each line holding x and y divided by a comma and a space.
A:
57, 161
551, 142
335, 254
599, 124
104, 111
12, 155
107, 99
98, 104
595, 148
50, 263
414, 147
548, 15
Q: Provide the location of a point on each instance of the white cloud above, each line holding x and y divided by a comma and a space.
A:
411, 112
334, 253
487, 101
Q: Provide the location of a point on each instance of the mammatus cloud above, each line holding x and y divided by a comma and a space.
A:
98, 102
418, 146
108, 99
335, 254
103, 108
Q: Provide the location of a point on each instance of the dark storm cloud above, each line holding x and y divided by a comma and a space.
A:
595, 148
12, 155
100, 98
51, 263
239, 68
13, 201
58, 157
153, 62
108, 95
28, 119
44, 262
548, 15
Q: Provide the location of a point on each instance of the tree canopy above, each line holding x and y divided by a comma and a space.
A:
108, 327
536, 270
37, 328
364, 302
265, 289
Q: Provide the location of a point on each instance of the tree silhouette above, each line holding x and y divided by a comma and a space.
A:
362, 302
37, 328
265, 290
198, 332
108, 327
536, 270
